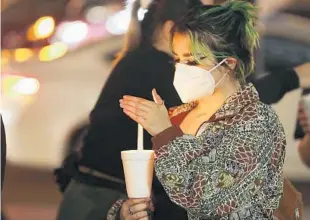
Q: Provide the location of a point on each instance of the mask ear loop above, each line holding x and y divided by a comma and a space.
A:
216, 66
219, 64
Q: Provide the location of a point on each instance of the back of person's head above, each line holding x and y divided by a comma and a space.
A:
221, 31
159, 12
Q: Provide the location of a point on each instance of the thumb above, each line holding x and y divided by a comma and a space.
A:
157, 99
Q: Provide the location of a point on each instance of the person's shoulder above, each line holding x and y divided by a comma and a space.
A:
257, 116
148, 57
148, 61
265, 118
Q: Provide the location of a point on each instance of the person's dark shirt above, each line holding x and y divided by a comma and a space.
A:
3, 152
275, 84
111, 131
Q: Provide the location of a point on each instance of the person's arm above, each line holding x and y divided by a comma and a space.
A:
290, 27
303, 73
268, 7
275, 84
304, 144
304, 149
193, 173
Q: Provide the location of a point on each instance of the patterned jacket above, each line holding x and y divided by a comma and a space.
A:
232, 168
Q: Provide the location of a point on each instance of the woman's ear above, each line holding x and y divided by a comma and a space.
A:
231, 63
166, 29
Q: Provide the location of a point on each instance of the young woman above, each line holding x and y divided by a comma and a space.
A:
225, 159
147, 61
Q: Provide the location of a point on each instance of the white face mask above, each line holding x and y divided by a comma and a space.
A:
193, 82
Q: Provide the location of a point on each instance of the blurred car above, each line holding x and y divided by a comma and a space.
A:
45, 105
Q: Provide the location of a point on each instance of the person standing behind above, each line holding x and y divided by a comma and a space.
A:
99, 181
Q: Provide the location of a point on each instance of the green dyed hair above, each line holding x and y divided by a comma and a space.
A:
220, 31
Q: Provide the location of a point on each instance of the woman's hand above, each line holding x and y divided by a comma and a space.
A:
304, 121
153, 116
135, 209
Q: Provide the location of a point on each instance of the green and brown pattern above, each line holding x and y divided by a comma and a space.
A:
233, 168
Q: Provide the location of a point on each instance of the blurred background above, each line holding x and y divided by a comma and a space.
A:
55, 58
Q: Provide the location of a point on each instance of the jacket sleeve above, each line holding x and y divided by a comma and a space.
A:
114, 212
194, 174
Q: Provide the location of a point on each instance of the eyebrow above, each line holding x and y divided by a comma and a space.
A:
187, 55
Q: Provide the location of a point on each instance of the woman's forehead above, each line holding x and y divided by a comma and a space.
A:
181, 44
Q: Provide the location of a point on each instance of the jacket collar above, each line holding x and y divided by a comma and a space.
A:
231, 107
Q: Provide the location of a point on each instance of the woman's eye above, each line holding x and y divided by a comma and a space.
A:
192, 63
177, 60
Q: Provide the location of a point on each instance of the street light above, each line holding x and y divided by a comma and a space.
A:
41, 29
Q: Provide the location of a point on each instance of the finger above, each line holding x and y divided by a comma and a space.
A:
139, 207
140, 215
144, 218
134, 110
151, 206
136, 118
135, 104
157, 99
132, 202
139, 100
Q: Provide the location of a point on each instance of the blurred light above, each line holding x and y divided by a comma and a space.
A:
27, 86
118, 24
53, 51
5, 57
72, 32
96, 14
141, 13
130, 2
13, 85
42, 28
23, 54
